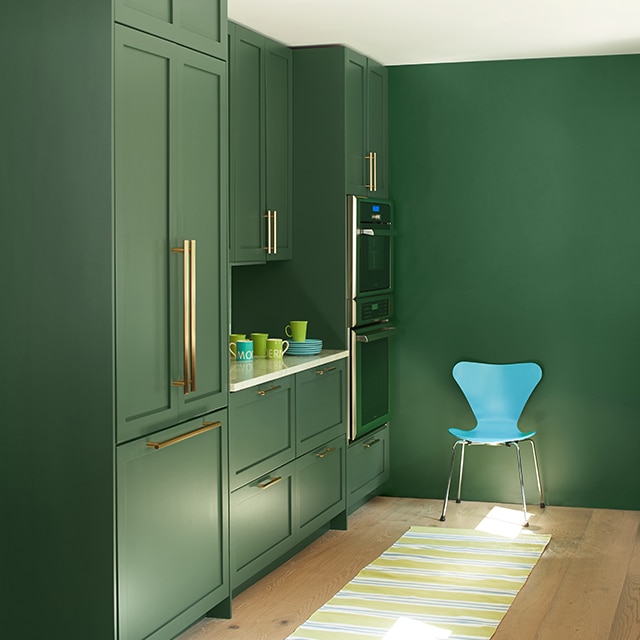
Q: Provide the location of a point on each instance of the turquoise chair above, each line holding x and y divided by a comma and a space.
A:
497, 394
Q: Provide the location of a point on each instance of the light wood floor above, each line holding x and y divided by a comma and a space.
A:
586, 585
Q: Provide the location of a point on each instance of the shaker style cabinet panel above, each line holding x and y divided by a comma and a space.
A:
321, 405
320, 480
262, 523
367, 126
172, 505
261, 130
367, 465
170, 172
262, 433
197, 24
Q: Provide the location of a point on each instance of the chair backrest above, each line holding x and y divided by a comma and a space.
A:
497, 392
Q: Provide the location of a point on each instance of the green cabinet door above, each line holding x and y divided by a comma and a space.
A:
170, 150
367, 465
261, 126
172, 505
321, 405
197, 24
262, 434
262, 523
321, 485
366, 126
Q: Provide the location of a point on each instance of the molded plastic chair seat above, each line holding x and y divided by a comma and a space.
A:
497, 394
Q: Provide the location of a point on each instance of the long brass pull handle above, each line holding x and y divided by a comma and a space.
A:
192, 310
186, 308
275, 232
207, 426
375, 170
369, 157
327, 451
269, 483
321, 372
263, 392
268, 217
368, 445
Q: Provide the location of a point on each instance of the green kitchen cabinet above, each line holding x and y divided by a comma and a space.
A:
262, 517
172, 511
321, 405
366, 109
321, 485
367, 466
262, 435
261, 155
197, 24
170, 226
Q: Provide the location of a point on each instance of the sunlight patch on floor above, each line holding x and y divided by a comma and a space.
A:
503, 522
409, 629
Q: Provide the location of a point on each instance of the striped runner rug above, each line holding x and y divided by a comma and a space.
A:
433, 583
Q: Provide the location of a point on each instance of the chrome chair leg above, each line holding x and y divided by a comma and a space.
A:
461, 468
524, 501
446, 497
535, 463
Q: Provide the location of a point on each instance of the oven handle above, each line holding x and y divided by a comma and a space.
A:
372, 336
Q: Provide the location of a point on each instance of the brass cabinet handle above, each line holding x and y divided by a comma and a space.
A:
188, 251
269, 244
206, 426
321, 372
327, 451
369, 157
375, 171
263, 392
275, 232
368, 445
269, 483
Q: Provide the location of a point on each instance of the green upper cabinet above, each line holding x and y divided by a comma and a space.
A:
366, 126
171, 195
197, 24
261, 139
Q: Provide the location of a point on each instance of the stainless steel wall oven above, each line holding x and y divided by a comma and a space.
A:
370, 289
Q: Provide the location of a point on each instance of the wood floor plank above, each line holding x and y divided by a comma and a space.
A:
626, 622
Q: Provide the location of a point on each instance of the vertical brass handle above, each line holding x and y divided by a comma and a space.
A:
268, 217
369, 157
275, 232
188, 251
192, 273
375, 170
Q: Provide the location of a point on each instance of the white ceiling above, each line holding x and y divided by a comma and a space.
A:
398, 32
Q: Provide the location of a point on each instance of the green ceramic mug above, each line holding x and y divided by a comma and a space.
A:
276, 348
297, 330
259, 344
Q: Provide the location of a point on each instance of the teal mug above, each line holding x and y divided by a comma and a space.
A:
242, 350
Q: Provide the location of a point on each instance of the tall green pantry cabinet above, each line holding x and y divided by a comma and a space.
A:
114, 203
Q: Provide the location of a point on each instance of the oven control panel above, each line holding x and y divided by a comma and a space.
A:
372, 310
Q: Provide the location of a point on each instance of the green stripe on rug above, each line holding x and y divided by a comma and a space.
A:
433, 583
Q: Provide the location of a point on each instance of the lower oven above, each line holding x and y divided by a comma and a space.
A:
370, 350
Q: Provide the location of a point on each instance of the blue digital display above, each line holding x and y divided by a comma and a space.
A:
375, 208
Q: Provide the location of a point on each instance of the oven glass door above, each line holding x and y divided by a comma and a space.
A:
374, 260
370, 378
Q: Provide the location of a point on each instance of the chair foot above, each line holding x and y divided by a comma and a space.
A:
458, 501
542, 505
526, 524
442, 518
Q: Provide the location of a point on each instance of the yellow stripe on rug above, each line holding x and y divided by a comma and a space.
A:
433, 583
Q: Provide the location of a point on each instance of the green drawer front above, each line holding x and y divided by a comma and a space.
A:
172, 527
321, 405
367, 464
262, 526
320, 477
261, 430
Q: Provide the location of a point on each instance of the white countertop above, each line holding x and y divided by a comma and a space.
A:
243, 375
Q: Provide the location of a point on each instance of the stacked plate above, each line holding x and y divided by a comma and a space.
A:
309, 347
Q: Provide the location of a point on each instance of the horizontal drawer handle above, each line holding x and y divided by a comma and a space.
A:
321, 372
263, 392
206, 426
269, 483
327, 451
368, 445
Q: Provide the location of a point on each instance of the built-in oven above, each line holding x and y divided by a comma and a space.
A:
371, 328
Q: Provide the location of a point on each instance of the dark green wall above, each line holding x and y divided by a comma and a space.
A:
517, 191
